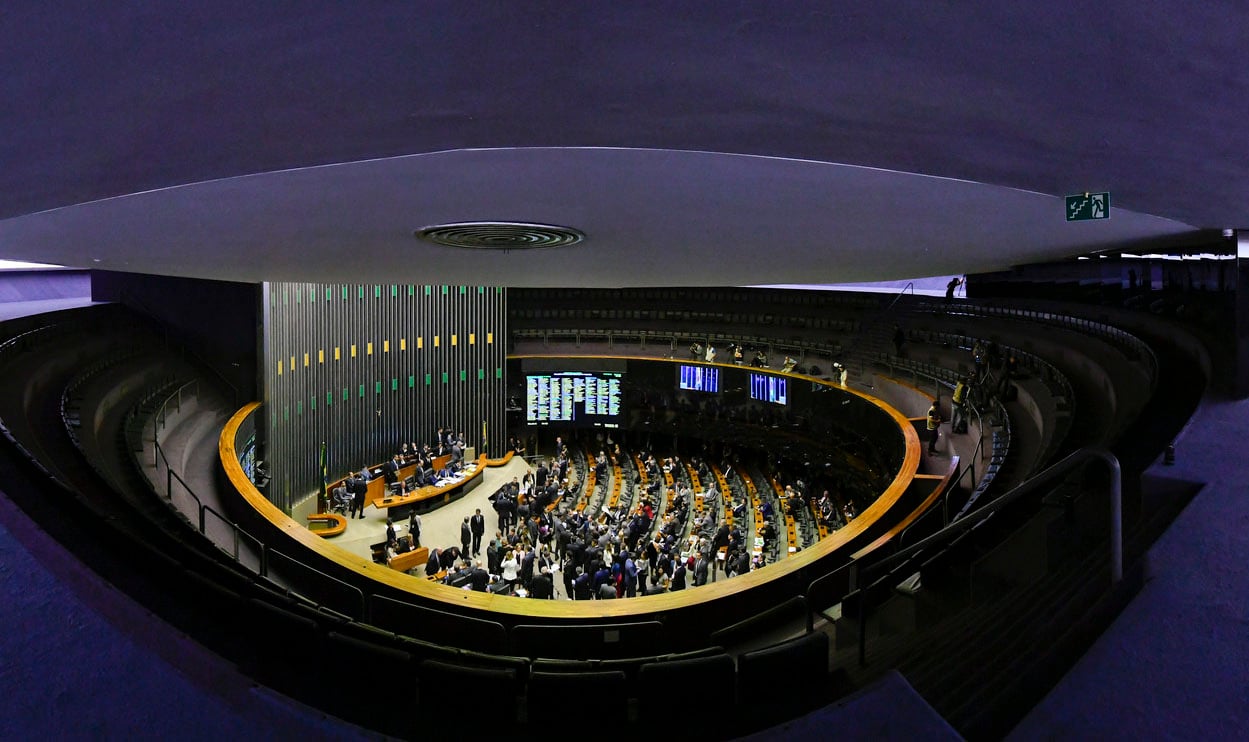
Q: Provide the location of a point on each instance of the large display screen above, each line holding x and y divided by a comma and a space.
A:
700, 378
573, 397
768, 388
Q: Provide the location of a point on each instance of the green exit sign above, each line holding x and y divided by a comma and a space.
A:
1084, 206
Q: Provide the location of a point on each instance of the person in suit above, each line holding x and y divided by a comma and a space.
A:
477, 524
541, 586
678, 577
493, 557
390, 470
358, 489
721, 539
390, 530
480, 578
433, 565
583, 585
466, 536
700, 569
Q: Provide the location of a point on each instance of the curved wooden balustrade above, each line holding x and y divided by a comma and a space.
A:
706, 600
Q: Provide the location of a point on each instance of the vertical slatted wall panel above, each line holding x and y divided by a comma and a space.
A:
365, 367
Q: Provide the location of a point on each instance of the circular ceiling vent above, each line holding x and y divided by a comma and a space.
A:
500, 235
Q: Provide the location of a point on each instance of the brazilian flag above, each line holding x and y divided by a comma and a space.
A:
325, 479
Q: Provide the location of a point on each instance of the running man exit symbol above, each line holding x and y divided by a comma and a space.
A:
1082, 207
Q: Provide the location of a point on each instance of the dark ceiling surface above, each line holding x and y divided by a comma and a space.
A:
1147, 99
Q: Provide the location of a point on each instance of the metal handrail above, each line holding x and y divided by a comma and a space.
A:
1043, 479
360, 615
909, 285
158, 419
884, 569
238, 531
161, 415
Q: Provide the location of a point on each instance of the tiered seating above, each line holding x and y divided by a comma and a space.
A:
290, 635
757, 498
591, 484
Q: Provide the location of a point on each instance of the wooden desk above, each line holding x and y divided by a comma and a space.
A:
429, 495
410, 560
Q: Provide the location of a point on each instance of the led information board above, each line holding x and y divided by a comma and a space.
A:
768, 388
700, 378
574, 397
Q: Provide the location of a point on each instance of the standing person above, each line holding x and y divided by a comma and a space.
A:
494, 556
950, 287
510, 568
477, 524
934, 425
631, 576
958, 406
390, 530
358, 489
414, 528
354, 507
466, 537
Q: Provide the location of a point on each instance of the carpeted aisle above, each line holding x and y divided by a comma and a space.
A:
1175, 664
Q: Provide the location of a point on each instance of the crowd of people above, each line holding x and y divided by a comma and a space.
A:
543, 543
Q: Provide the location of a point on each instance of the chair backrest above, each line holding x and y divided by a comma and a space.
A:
547, 692
657, 679
785, 677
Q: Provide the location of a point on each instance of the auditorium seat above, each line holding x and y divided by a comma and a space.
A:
784, 680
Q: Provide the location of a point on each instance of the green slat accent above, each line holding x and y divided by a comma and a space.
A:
444, 377
286, 413
329, 398
481, 374
345, 390
463, 374
377, 291
377, 387
428, 379
299, 407
428, 289
344, 292
411, 381
329, 293
362, 391
498, 373
394, 384
361, 292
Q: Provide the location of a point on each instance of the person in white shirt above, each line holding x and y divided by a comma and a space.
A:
510, 568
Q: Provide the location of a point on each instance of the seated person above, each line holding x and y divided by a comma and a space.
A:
461, 577
769, 534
